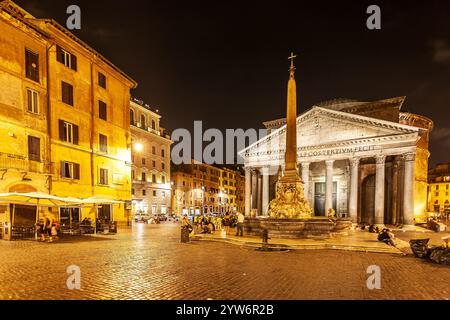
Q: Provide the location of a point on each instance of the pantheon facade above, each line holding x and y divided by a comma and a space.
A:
366, 160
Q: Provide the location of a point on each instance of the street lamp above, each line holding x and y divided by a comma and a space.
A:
203, 199
138, 147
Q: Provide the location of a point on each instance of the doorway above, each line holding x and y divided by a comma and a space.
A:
104, 212
319, 198
23, 215
69, 216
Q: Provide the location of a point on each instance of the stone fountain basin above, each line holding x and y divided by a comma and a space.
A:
314, 227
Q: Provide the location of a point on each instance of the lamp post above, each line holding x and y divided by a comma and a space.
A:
203, 200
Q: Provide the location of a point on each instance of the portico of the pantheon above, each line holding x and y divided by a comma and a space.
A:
366, 160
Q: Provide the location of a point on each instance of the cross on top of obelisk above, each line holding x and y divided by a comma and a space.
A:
292, 57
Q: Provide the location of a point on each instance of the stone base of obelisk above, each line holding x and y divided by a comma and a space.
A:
290, 202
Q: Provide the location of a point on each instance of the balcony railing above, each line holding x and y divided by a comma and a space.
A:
22, 163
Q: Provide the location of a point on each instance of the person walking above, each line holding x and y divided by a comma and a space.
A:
226, 223
240, 225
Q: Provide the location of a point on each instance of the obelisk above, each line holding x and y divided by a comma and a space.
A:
290, 199
290, 158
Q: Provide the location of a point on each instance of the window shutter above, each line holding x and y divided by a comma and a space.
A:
102, 110
62, 132
73, 62
63, 169
75, 134
67, 93
70, 87
76, 171
59, 54
34, 150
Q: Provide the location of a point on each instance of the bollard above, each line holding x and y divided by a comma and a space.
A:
184, 234
265, 236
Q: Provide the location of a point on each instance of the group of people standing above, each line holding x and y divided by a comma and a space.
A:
48, 229
212, 223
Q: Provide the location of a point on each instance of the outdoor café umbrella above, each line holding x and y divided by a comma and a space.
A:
38, 199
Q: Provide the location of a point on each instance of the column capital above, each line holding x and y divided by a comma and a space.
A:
265, 170
354, 162
248, 169
329, 163
409, 156
305, 164
380, 158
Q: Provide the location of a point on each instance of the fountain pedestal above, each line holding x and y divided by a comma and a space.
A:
313, 227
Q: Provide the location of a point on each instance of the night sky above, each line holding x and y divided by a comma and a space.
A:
225, 62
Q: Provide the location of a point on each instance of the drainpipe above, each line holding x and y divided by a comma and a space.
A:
49, 122
92, 130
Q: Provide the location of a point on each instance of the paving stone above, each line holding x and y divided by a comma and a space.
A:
149, 262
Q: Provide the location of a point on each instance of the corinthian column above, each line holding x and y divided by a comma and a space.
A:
248, 186
265, 190
379, 189
329, 186
305, 178
353, 202
408, 190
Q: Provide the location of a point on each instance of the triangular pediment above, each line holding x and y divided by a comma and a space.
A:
321, 127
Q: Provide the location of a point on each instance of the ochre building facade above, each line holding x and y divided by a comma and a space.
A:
64, 117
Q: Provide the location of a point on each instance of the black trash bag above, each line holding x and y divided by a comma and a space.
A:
420, 248
440, 255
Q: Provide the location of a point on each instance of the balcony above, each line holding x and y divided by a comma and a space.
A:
22, 163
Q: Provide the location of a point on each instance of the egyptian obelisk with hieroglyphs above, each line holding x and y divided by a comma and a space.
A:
290, 201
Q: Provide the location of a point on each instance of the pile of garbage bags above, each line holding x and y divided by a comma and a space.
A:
438, 254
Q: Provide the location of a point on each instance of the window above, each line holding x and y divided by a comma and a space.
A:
132, 174
102, 111
437, 187
32, 101
153, 124
103, 176
102, 80
66, 58
163, 179
154, 150
70, 170
68, 132
34, 148
154, 178
132, 117
163, 166
437, 194
154, 193
31, 65
143, 177
143, 121
144, 193
154, 164
132, 192
67, 93
163, 153
103, 140
143, 161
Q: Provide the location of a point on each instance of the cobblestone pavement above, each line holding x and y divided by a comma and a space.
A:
149, 262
